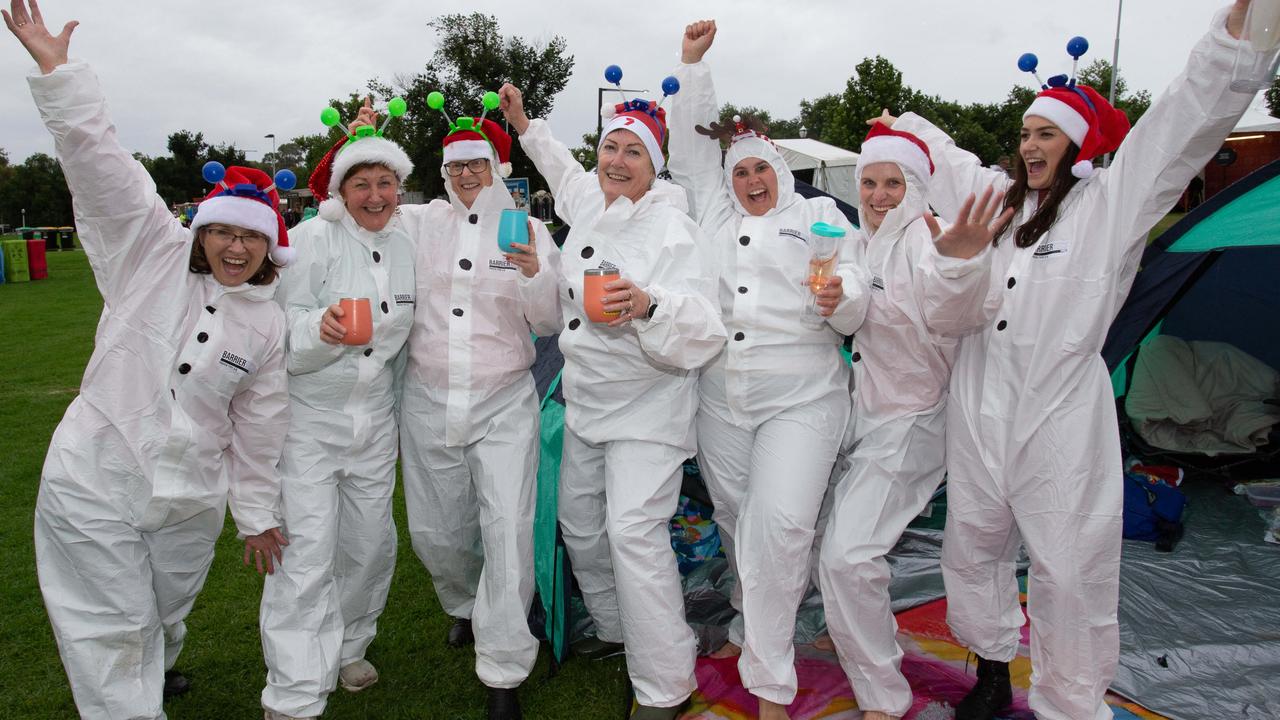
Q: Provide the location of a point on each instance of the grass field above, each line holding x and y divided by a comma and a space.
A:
48, 329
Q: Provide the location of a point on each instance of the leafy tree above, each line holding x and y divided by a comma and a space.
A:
1273, 98
37, 186
472, 58
587, 150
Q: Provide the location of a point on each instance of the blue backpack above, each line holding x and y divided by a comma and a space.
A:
1153, 512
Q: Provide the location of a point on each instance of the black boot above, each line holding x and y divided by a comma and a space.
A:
175, 684
460, 634
990, 695
504, 704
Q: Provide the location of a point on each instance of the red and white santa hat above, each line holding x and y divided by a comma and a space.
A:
246, 197
884, 144
488, 141
348, 152
645, 119
1084, 116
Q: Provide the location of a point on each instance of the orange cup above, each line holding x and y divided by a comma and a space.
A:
593, 292
357, 318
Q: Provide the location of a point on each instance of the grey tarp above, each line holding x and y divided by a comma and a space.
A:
1200, 627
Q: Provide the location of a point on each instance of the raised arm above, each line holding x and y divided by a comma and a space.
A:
695, 161
576, 192
121, 219
1175, 137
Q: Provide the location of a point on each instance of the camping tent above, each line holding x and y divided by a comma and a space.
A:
832, 166
1199, 626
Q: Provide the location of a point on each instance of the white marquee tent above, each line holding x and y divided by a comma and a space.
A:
832, 166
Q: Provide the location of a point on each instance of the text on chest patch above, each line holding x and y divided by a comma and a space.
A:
230, 359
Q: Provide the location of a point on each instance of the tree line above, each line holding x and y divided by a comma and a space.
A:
473, 56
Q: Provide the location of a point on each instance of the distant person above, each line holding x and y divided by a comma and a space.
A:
183, 407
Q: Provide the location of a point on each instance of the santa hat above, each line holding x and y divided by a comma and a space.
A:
489, 140
642, 117
1078, 110
246, 197
884, 144
366, 146
1084, 116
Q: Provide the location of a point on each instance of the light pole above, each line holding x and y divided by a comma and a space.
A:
273, 153
804, 132
1115, 70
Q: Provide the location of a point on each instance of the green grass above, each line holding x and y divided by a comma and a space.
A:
48, 329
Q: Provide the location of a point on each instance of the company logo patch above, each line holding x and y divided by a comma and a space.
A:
606, 265
502, 264
792, 232
877, 283
244, 365
1045, 249
404, 298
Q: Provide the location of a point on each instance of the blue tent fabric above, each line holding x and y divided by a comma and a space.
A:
1204, 302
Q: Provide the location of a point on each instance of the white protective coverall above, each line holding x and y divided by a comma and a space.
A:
183, 407
774, 403
896, 455
469, 422
1033, 453
320, 609
630, 396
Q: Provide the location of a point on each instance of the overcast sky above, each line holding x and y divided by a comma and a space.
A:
237, 71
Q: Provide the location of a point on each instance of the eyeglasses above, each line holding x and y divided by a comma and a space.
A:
476, 166
226, 236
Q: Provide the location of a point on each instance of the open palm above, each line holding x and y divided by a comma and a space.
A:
49, 51
974, 228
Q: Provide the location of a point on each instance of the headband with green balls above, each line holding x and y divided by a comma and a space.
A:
470, 138
364, 146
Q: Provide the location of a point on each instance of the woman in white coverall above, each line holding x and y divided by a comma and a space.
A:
630, 386
1032, 451
774, 403
896, 460
469, 409
320, 611
183, 406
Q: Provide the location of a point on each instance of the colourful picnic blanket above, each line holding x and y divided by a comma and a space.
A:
934, 663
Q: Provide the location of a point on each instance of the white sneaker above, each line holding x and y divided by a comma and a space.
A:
273, 715
357, 675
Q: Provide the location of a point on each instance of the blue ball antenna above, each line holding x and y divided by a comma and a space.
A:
286, 180
613, 74
670, 85
1028, 62
1076, 47
213, 172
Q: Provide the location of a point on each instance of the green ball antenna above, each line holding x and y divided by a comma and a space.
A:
397, 107
490, 102
330, 117
435, 101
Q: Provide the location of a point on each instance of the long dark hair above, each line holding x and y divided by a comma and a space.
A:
1029, 232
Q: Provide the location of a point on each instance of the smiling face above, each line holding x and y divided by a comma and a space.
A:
1042, 147
623, 166
756, 185
882, 189
369, 192
467, 185
234, 254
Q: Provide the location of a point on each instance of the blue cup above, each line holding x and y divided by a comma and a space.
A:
513, 227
